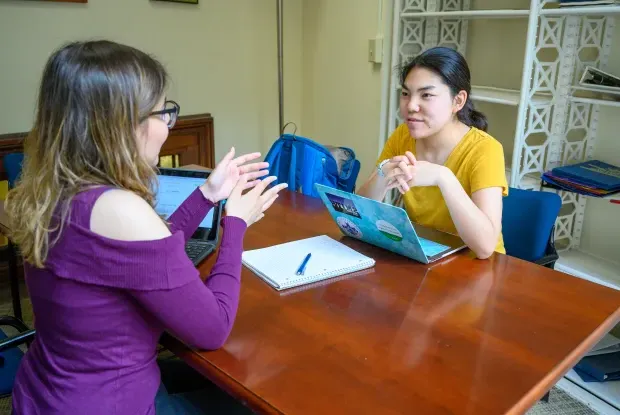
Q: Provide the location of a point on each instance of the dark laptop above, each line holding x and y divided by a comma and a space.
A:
175, 185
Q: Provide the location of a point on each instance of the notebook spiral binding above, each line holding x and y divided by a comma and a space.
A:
333, 273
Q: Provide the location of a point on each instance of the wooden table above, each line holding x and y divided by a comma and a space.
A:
462, 336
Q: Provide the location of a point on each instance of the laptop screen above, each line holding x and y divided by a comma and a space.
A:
172, 191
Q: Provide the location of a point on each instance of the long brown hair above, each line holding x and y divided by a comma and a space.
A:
93, 97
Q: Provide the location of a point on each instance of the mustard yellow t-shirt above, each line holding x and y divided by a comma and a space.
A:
477, 161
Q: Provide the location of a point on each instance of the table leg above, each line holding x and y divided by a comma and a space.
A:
14, 280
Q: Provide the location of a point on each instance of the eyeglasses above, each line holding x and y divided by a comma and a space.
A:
170, 113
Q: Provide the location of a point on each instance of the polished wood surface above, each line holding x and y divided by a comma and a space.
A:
191, 141
462, 336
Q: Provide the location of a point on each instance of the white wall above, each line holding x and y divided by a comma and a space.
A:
341, 89
221, 55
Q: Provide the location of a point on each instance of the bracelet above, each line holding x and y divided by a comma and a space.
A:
380, 167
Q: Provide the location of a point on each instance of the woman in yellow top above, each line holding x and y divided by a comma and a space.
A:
450, 171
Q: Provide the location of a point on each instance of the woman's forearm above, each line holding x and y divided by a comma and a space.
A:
472, 224
376, 187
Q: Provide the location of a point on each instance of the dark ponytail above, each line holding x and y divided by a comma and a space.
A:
470, 116
451, 66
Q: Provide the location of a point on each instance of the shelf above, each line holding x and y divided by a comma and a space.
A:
472, 14
592, 95
589, 267
609, 392
503, 96
614, 198
596, 101
512, 97
517, 13
495, 95
530, 180
581, 10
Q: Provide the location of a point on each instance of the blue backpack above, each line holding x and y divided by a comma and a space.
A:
301, 163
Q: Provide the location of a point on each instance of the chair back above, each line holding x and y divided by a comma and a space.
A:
528, 218
10, 354
13, 166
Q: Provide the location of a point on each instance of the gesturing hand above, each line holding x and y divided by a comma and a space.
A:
252, 205
226, 175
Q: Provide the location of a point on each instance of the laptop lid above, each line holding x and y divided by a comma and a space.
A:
175, 185
386, 226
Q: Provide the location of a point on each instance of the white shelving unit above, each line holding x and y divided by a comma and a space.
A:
504, 96
548, 104
589, 267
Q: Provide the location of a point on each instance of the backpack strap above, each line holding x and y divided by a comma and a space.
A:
273, 158
292, 168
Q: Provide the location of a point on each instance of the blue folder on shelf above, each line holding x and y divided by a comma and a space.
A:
593, 173
599, 368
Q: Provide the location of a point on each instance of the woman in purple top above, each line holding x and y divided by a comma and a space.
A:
105, 273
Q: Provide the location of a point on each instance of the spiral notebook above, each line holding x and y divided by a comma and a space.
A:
278, 264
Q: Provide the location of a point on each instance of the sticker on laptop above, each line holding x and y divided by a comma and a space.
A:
348, 227
343, 205
389, 230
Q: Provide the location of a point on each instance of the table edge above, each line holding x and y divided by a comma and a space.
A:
217, 376
552, 378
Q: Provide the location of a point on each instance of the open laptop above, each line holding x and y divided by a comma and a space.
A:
175, 185
386, 226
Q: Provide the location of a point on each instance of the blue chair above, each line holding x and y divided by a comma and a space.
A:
12, 163
528, 224
10, 354
13, 166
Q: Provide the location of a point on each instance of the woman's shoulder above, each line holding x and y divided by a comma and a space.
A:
480, 144
479, 138
123, 244
123, 215
116, 214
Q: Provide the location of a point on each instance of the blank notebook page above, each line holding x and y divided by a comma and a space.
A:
278, 264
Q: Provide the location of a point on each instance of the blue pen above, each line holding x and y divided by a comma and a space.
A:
302, 267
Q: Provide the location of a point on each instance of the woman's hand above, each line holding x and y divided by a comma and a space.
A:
226, 175
252, 205
410, 172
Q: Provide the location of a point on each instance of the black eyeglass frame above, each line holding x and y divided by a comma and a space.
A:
173, 112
